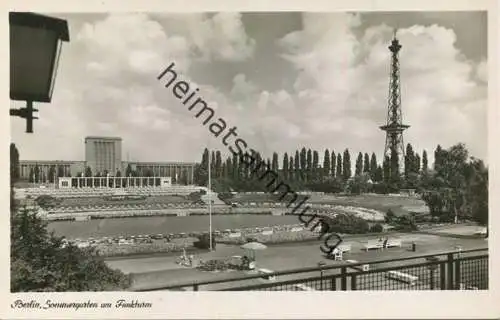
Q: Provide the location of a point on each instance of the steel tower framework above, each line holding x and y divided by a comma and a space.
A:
394, 127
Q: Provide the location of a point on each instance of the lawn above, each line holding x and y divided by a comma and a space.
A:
399, 204
84, 201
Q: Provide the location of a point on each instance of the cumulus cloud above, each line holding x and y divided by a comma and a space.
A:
342, 84
107, 85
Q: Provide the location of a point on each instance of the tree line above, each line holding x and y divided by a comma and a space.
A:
455, 187
304, 170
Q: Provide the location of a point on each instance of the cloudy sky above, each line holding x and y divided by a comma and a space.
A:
285, 80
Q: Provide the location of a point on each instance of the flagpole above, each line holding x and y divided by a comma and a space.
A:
210, 200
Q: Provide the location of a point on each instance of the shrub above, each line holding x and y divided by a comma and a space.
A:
204, 242
405, 223
389, 217
41, 262
347, 223
376, 228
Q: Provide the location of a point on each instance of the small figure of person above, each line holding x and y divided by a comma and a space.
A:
245, 262
385, 243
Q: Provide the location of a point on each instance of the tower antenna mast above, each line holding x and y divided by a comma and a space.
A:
394, 127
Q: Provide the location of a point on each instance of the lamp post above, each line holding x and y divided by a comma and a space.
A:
35, 46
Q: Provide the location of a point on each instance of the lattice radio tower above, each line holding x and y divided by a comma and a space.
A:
394, 145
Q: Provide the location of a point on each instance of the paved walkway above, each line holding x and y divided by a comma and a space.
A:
162, 270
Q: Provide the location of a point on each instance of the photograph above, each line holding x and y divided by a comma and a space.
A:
248, 151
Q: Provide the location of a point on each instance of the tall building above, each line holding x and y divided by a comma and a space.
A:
103, 154
394, 127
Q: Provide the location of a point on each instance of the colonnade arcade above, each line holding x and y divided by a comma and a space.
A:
114, 182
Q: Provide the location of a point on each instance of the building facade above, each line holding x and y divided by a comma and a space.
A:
113, 182
45, 171
103, 154
181, 172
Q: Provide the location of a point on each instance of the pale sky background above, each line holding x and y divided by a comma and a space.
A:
286, 80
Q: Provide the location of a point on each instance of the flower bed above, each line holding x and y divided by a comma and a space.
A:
113, 250
274, 238
219, 265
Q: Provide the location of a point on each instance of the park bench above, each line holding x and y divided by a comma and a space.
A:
374, 244
267, 274
401, 276
394, 243
344, 247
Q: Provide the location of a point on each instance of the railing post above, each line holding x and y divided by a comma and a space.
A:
353, 282
458, 278
333, 284
442, 275
195, 287
432, 277
343, 278
450, 271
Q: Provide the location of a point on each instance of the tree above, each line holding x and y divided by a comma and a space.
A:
459, 188
339, 166
128, 170
412, 168
387, 170
333, 164
309, 165
274, 163
297, 162
425, 163
379, 174
52, 174
236, 172
409, 160
395, 177
201, 172
218, 165
315, 164
326, 164
184, 177
346, 166
303, 162
366, 164
31, 177
213, 163
359, 164
14, 163
285, 166
88, 172
373, 166
438, 158
417, 163
229, 168
291, 170
43, 262
36, 174
478, 191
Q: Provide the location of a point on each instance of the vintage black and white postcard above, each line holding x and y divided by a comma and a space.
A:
174, 150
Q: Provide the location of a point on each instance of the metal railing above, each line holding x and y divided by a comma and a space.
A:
457, 270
